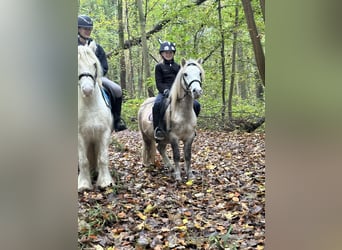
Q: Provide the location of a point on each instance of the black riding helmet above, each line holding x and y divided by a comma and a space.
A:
167, 46
85, 22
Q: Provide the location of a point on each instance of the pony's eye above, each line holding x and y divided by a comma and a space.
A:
185, 74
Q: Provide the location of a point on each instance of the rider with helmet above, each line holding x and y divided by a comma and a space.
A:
165, 74
85, 27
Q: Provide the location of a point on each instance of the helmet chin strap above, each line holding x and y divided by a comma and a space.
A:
84, 38
166, 60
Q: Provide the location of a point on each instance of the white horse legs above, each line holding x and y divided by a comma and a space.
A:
148, 151
99, 163
187, 156
104, 179
176, 158
84, 180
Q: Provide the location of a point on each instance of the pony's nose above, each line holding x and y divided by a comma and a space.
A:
197, 93
87, 90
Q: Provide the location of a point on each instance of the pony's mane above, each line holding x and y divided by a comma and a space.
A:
176, 84
86, 55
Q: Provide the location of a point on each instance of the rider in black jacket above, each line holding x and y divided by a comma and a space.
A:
165, 74
85, 26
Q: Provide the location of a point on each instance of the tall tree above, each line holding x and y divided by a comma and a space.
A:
232, 76
146, 64
223, 59
121, 44
241, 69
262, 6
255, 37
130, 75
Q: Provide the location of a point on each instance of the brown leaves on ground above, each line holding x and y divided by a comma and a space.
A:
223, 208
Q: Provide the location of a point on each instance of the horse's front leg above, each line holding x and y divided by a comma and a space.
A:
84, 180
104, 178
176, 159
162, 150
187, 157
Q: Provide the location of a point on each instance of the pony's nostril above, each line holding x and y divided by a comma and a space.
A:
87, 90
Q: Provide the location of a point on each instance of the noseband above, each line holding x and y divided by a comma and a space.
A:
86, 74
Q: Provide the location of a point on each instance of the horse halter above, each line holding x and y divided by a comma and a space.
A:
188, 85
86, 74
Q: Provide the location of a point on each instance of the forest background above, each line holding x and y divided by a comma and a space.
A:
228, 35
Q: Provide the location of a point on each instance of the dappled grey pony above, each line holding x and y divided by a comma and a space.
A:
180, 119
94, 122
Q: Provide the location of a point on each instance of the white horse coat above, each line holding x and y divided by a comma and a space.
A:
94, 122
180, 119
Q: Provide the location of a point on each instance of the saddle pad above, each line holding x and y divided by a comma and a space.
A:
106, 97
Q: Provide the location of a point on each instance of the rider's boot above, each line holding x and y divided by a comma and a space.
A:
119, 123
159, 134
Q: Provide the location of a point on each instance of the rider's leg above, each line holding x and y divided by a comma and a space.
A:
158, 131
197, 107
116, 103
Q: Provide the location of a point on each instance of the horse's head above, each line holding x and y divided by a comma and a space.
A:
192, 77
89, 70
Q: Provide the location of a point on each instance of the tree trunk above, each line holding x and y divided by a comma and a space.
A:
253, 32
122, 52
130, 75
232, 77
242, 80
262, 6
223, 59
144, 46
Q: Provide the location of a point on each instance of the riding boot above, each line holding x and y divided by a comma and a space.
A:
159, 134
119, 123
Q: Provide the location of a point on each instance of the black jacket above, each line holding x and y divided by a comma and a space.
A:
165, 74
101, 55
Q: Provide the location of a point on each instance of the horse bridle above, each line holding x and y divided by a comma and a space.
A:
188, 85
86, 74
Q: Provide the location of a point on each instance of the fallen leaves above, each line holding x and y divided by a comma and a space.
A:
224, 207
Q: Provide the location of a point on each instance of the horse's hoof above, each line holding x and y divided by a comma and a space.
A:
191, 176
103, 185
84, 188
178, 177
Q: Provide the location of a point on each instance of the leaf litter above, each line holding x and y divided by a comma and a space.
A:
223, 208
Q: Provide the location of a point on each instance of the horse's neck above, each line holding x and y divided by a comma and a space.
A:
182, 103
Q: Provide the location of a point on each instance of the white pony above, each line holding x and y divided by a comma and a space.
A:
94, 122
180, 119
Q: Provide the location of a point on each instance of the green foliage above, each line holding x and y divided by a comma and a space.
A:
195, 30
222, 242
94, 221
249, 107
130, 111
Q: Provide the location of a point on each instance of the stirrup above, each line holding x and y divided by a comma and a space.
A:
159, 134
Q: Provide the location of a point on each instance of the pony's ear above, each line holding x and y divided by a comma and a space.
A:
183, 62
200, 60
